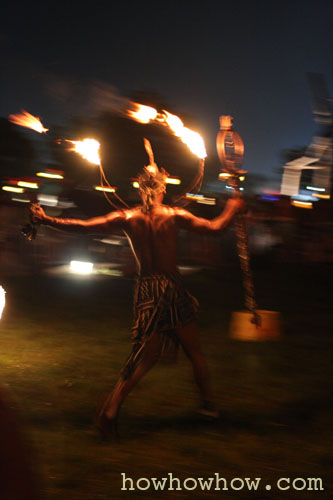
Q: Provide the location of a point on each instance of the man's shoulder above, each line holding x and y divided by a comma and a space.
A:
181, 212
168, 210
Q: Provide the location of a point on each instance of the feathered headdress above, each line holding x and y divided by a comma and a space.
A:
151, 180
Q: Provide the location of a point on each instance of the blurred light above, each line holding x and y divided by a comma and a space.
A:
47, 200
2, 299
79, 267
13, 189
192, 196
173, 180
49, 175
111, 241
302, 197
302, 204
241, 178
270, 198
22, 200
268, 191
31, 185
65, 204
312, 188
207, 201
224, 175
169, 180
105, 189
200, 198
241, 189
322, 196
229, 187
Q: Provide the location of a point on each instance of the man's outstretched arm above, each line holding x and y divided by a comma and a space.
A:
111, 222
186, 220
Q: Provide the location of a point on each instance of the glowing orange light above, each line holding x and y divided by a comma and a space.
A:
175, 123
2, 300
173, 180
322, 196
224, 175
88, 149
106, 189
27, 120
49, 175
192, 139
147, 114
302, 204
143, 114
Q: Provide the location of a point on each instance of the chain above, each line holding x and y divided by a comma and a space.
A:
243, 253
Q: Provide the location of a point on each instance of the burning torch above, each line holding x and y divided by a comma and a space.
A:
25, 119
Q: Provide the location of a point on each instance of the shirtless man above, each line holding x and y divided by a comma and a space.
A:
164, 310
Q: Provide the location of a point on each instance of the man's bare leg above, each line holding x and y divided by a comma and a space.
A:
189, 339
150, 356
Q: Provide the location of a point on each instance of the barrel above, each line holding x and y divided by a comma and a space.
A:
242, 328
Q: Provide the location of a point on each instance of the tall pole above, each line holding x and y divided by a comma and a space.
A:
230, 149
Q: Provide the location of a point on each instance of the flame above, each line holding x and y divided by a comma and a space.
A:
146, 114
192, 139
88, 149
2, 299
27, 120
143, 114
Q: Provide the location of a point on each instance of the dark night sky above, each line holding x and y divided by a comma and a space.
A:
247, 59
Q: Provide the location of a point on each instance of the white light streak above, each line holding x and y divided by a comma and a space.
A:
312, 188
80, 267
48, 200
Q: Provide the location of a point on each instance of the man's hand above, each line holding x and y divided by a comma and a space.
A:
37, 213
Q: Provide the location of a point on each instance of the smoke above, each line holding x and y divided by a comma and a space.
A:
88, 98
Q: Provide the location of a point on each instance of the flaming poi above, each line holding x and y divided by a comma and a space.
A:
146, 114
88, 148
25, 119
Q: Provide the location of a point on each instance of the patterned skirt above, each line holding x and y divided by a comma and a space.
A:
161, 305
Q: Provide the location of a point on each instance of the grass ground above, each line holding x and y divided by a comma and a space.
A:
64, 342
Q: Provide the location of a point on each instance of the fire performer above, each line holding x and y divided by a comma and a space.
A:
164, 311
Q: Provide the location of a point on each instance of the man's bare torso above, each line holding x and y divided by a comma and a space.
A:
153, 238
